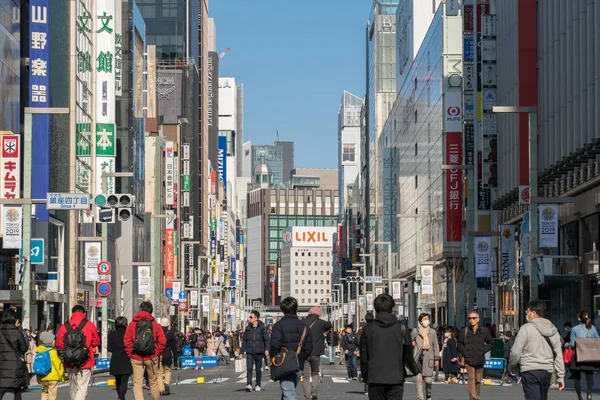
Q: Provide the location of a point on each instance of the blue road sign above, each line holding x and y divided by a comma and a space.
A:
169, 292
102, 363
104, 289
37, 251
183, 294
68, 201
494, 363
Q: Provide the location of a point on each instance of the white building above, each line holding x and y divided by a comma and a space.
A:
348, 145
306, 264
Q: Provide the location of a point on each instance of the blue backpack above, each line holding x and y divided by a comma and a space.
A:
42, 363
187, 351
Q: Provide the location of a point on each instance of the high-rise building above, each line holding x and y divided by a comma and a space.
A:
349, 150
278, 156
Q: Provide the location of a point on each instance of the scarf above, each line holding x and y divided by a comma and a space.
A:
424, 333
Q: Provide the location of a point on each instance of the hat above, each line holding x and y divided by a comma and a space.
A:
46, 338
315, 311
164, 322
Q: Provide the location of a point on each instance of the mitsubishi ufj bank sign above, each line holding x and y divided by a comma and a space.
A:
308, 236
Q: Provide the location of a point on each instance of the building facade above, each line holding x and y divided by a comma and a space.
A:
349, 150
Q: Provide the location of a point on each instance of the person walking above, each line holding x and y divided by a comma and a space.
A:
14, 377
339, 345
426, 349
537, 351
512, 374
288, 332
166, 358
255, 345
120, 365
179, 345
211, 345
56, 374
30, 355
473, 342
144, 342
78, 339
450, 356
585, 329
369, 317
381, 352
350, 348
221, 345
332, 341
318, 329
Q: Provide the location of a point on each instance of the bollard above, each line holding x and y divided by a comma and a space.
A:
111, 382
487, 382
200, 380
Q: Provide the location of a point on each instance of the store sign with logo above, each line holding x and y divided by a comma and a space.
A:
548, 223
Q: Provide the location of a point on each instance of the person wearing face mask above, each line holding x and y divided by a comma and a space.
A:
473, 342
450, 356
427, 349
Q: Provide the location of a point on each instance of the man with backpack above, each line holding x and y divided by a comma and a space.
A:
78, 340
144, 342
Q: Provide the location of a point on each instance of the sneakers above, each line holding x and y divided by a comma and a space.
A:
257, 388
314, 395
266, 367
249, 388
355, 379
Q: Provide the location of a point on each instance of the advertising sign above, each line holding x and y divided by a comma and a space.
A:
205, 303
144, 280
454, 188
352, 307
345, 307
308, 236
507, 252
176, 290
92, 257
138, 53
118, 49
483, 257
426, 279
10, 168
169, 173
548, 222
170, 252
12, 227
151, 81
453, 113
194, 298
396, 293
222, 161
369, 301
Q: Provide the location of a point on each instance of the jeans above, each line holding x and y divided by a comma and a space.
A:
475, 378
311, 374
121, 385
351, 365
151, 367
288, 387
331, 354
251, 361
536, 384
79, 381
386, 392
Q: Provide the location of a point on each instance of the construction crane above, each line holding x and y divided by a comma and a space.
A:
224, 53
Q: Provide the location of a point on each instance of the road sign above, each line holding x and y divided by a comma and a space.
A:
104, 278
183, 295
374, 279
169, 292
213, 288
68, 201
182, 306
102, 363
37, 251
104, 289
104, 268
98, 301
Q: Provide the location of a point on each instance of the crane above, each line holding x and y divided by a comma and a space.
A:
224, 53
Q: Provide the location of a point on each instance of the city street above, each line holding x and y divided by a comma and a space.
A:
224, 383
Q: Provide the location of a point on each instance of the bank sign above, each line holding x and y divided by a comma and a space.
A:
306, 236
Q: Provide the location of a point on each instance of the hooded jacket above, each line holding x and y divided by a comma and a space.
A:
159, 336
318, 330
532, 352
256, 339
57, 374
381, 350
92, 339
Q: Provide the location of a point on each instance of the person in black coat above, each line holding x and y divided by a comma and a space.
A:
318, 330
473, 342
14, 376
164, 376
450, 356
120, 365
256, 345
287, 332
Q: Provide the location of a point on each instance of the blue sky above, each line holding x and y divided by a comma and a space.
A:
295, 58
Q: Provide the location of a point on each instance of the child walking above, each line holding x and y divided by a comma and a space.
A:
47, 360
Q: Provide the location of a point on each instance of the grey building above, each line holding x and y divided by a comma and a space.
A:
278, 156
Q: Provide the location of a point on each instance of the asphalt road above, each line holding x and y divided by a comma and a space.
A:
224, 383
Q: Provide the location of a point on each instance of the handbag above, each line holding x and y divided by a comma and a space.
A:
588, 350
411, 366
568, 355
286, 361
461, 358
240, 366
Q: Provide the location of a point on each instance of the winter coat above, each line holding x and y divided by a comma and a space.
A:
13, 370
430, 356
179, 344
507, 347
211, 346
159, 336
350, 342
92, 339
318, 330
287, 333
57, 374
333, 338
450, 351
119, 360
167, 354
381, 350
256, 340
475, 345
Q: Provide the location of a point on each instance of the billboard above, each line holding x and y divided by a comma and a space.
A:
308, 236
454, 188
222, 161
168, 92
170, 252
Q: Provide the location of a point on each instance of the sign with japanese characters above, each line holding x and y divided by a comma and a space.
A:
170, 252
454, 187
151, 82
68, 201
12, 227
118, 49
169, 174
104, 61
105, 164
10, 167
105, 140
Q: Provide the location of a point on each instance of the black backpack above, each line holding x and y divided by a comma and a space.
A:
75, 353
143, 344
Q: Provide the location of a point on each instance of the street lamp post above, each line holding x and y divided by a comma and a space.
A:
341, 285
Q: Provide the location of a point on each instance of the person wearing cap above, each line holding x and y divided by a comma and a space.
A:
318, 330
164, 375
50, 381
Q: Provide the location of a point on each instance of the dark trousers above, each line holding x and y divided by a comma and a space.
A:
253, 360
589, 376
351, 365
17, 393
536, 384
385, 392
121, 382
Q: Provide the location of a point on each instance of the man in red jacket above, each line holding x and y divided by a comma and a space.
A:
79, 377
136, 344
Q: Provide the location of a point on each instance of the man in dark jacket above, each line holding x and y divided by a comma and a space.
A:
381, 352
332, 341
79, 378
318, 329
149, 363
473, 342
287, 332
164, 376
256, 345
350, 345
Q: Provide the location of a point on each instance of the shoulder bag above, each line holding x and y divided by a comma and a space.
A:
412, 367
285, 363
587, 350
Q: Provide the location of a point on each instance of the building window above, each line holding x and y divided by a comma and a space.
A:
296, 254
321, 263
302, 265
321, 254
309, 270
302, 291
296, 272
296, 291
321, 291
327, 263
316, 273
328, 281
309, 289
309, 263
303, 281
327, 291
321, 281
296, 281
309, 255
296, 264
416, 181
309, 281
322, 272
349, 152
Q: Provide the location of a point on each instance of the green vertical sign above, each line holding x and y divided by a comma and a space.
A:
213, 224
105, 140
176, 247
186, 183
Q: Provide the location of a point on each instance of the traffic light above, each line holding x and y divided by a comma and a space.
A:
121, 203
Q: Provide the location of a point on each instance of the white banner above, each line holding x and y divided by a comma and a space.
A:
378, 291
369, 301
194, 298
169, 173
352, 307
345, 309
92, 257
216, 304
396, 290
104, 61
548, 216
151, 81
205, 303
507, 252
483, 257
12, 227
144, 280
176, 290
426, 279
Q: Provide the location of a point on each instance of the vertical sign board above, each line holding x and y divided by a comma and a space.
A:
454, 189
483, 257
10, 167
170, 252
138, 98
222, 161
232, 277
426, 279
507, 252
144, 280
118, 49
151, 81
39, 96
548, 225
92, 257
12, 227
169, 173
105, 141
